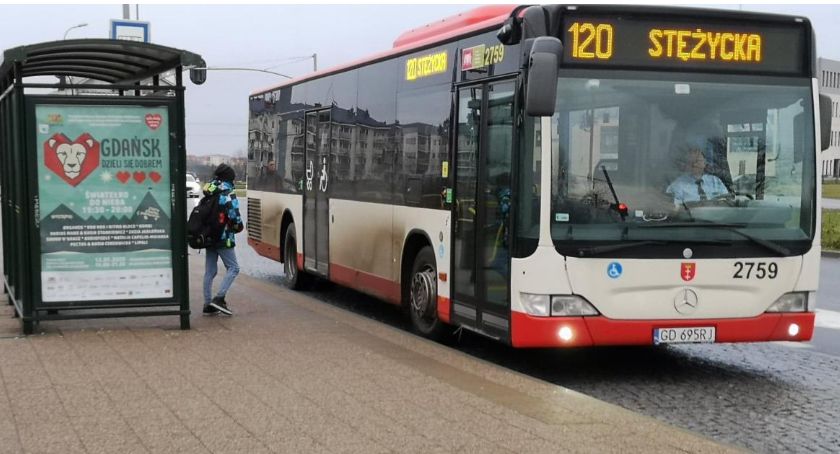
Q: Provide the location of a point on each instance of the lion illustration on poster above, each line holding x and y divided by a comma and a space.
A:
73, 160
71, 155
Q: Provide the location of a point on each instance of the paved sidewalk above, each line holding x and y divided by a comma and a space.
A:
287, 374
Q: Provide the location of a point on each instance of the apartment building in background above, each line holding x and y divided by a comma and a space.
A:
829, 74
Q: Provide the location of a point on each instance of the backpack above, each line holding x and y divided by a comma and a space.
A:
206, 223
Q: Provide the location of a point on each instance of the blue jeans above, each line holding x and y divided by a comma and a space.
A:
211, 268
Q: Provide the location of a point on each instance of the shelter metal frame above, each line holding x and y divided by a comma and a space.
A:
119, 71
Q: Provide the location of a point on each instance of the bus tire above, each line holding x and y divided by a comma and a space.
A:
293, 277
422, 295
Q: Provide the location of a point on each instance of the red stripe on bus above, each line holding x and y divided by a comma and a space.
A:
454, 24
265, 250
300, 261
443, 308
528, 331
366, 283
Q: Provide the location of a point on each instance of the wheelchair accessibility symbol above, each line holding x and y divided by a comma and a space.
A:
614, 270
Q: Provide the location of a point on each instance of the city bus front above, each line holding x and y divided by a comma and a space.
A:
669, 194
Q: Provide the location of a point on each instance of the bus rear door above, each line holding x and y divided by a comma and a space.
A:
482, 195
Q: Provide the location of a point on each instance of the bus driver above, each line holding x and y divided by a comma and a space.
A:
694, 184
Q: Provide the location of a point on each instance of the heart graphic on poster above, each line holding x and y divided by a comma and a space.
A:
73, 161
153, 121
123, 176
139, 176
154, 176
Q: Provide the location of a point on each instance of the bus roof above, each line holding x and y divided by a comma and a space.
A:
454, 23
460, 24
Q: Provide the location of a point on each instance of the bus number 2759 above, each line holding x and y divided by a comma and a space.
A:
757, 270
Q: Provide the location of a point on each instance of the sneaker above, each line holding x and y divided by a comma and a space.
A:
220, 305
210, 310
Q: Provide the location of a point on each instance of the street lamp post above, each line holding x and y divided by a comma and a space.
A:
84, 24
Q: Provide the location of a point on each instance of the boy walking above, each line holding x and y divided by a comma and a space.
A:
222, 185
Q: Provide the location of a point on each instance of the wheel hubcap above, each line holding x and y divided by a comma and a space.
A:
423, 291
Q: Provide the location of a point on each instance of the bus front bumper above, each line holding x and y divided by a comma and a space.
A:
528, 331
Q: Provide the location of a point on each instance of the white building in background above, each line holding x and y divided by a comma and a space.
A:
213, 159
828, 72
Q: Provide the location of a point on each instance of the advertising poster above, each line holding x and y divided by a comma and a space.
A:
104, 202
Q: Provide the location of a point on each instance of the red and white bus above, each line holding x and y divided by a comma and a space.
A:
558, 175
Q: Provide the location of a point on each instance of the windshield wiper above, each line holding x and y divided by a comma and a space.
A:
697, 223
620, 207
732, 227
595, 250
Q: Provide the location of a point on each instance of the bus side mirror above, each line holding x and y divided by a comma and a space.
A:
510, 33
825, 122
198, 75
541, 89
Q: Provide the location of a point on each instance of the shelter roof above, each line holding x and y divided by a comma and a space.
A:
108, 60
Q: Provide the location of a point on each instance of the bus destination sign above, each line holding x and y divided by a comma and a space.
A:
649, 44
425, 65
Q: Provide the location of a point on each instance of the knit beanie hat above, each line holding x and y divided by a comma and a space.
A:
225, 173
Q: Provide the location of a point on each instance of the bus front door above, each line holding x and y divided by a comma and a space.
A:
316, 253
482, 195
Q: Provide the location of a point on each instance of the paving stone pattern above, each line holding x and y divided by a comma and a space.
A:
763, 397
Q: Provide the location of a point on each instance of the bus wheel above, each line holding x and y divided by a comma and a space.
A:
294, 278
422, 295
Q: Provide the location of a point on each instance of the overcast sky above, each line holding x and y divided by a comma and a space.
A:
272, 36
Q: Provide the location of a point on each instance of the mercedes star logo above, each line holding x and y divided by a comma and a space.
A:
686, 302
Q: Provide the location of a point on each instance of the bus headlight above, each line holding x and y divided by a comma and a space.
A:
790, 302
571, 306
556, 306
535, 304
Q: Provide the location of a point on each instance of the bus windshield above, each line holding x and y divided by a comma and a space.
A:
629, 154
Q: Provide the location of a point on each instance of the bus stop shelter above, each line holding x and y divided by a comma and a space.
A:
92, 179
